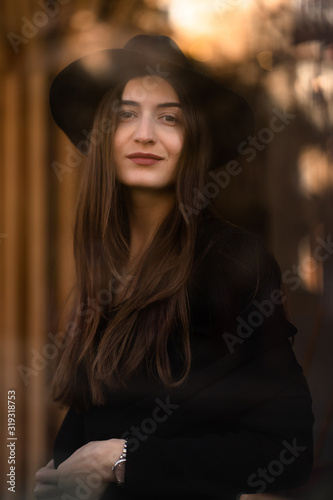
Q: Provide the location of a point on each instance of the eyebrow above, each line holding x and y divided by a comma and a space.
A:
162, 105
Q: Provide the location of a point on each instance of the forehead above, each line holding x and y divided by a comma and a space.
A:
149, 89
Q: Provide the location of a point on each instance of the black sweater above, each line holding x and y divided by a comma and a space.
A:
243, 420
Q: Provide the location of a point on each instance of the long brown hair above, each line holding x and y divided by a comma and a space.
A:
136, 337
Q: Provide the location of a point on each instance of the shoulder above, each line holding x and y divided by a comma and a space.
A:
235, 278
217, 234
235, 251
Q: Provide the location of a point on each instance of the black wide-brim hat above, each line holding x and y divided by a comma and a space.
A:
77, 90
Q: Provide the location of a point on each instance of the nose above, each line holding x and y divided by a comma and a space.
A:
145, 130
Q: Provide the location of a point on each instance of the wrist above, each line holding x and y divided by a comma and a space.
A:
109, 454
119, 466
117, 446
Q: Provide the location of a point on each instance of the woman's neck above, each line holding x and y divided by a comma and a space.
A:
146, 210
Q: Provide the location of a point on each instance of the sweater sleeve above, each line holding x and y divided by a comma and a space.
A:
70, 436
261, 442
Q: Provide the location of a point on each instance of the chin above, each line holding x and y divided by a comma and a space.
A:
148, 184
151, 187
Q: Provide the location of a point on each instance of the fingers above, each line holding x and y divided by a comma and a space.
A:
47, 492
47, 474
47, 483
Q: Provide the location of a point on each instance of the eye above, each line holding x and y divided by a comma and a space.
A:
125, 115
170, 118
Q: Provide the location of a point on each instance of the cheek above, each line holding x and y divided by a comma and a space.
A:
119, 141
116, 144
177, 145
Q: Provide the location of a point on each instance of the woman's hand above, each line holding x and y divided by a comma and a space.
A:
85, 474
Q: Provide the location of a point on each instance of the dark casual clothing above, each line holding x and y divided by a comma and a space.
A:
242, 422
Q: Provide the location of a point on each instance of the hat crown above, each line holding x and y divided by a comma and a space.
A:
79, 88
157, 46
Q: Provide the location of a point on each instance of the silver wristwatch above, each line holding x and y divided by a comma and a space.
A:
119, 467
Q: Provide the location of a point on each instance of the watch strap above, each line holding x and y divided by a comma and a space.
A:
121, 460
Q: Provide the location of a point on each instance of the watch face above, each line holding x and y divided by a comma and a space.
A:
119, 472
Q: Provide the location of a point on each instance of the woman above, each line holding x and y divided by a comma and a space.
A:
178, 370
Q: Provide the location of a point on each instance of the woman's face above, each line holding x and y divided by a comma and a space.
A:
149, 136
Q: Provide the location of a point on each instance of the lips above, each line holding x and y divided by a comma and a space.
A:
144, 155
144, 158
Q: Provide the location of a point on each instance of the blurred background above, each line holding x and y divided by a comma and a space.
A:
279, 54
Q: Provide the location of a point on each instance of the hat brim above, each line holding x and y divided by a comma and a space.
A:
78, 89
